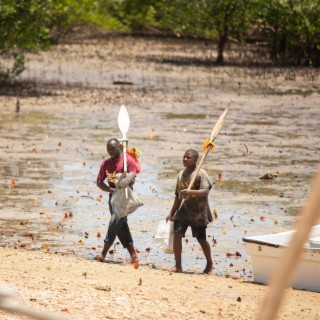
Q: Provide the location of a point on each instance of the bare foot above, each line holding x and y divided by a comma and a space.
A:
176, 269
101, 257
208, 268
134, 259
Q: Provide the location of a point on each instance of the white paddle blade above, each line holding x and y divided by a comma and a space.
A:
123, 120
218, 125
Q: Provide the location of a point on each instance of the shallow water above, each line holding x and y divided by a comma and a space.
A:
53, 149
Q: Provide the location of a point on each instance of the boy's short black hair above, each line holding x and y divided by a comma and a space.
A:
113, 140
195, 153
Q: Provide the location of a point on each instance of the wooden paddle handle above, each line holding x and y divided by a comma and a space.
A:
125, 165
199, 166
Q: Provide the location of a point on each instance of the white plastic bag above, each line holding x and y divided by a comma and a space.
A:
122, 205
164, 236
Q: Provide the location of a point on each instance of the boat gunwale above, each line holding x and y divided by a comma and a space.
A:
263, 243
273, 245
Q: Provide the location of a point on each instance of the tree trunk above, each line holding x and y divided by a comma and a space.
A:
283, 47
221, 46
274, 48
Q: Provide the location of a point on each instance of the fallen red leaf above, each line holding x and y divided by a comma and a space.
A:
262, 218
148, 250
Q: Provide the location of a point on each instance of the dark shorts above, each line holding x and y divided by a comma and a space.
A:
197, 232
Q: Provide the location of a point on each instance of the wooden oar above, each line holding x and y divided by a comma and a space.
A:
214, 134
124, 124
9, 304
284, 272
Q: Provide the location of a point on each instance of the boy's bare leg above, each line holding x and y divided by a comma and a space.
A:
177, 249
105, 250
205, 246
133, 254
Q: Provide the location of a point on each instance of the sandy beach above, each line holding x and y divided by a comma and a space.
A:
51, 211
82, 289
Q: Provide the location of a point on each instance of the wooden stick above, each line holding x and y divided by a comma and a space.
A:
125, 168
284, 272
9, 304
214, 133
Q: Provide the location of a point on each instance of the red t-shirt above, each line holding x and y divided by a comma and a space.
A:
109, 169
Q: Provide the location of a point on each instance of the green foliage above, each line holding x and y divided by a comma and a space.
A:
290, 28
111, 16
305, 31
228, 18
182, 17
137, 14
74, 13
25, 26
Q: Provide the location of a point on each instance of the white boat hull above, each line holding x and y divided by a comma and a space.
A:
266, 250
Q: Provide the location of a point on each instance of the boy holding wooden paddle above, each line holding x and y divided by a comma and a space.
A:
194, 212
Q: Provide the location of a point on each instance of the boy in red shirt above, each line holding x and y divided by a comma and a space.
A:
108, 171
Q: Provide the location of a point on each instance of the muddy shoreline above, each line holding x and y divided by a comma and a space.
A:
52, 148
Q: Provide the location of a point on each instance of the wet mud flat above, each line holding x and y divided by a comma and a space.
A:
51, 150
